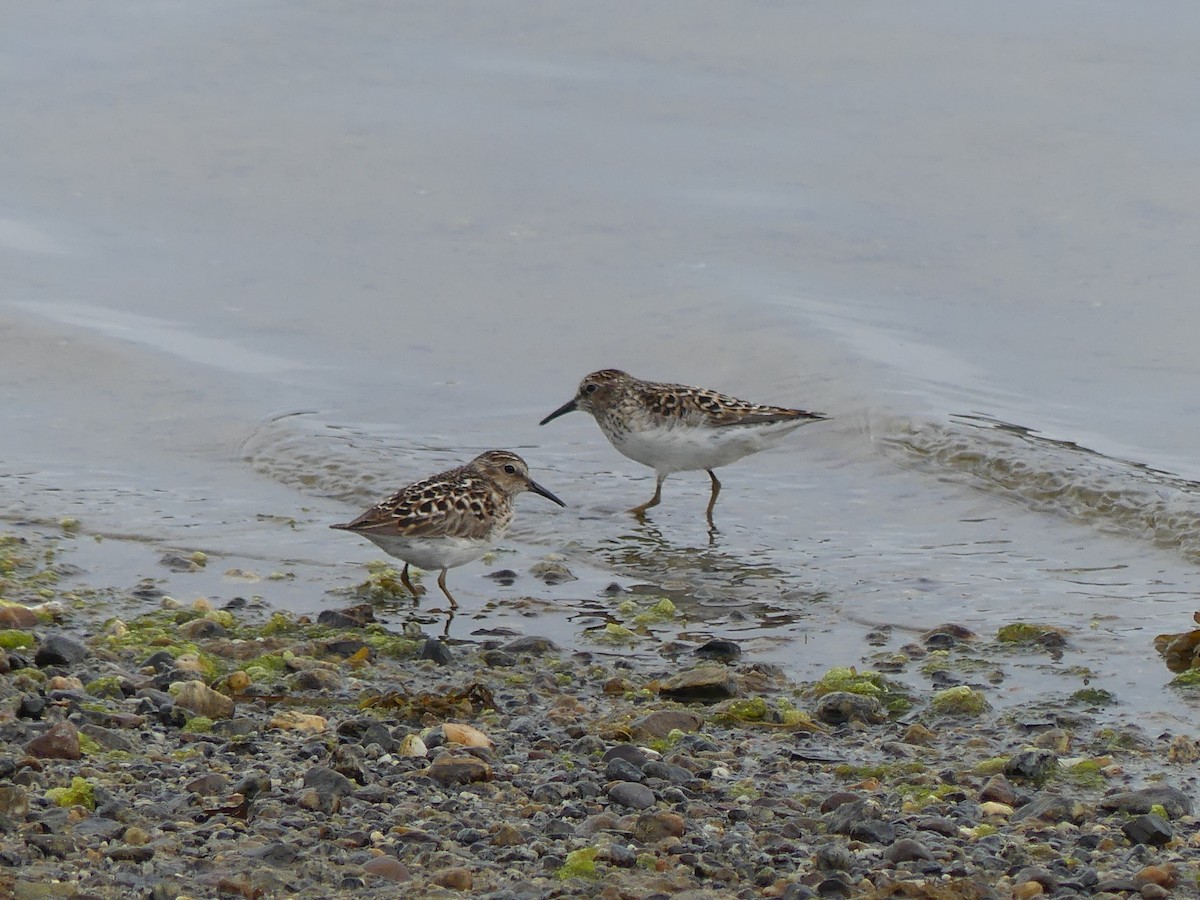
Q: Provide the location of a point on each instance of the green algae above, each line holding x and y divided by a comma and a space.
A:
80, 793
991, 766
1025, 633
88, 746
1188, 679
15, 639
383, 582
198, 725
891, 694
1092, 697
661, 611
615, 634
580, 863
389, 644
1085, 774
961, 700
108, 686
760, 711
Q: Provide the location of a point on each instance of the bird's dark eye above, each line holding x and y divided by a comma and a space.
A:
510, 469
591, 388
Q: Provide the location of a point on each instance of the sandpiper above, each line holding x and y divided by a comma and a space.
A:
450, 518
677, 428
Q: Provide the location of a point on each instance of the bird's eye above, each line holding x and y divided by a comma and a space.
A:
510, 469
591, 388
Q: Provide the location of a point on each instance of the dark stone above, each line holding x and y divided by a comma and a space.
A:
327, 782
1036, 766
438, 651
498, 659
160, 661
873, 831
130, 854
834, 887
628, 752
531, 644
938, 825
199, 629
619, 856
59, 649
351, 617
667, 772
843, 819
622, 770
347, 647
1035, 873
378, 733
631, 794
107, 738
906, 850
661, 723
719, 651
1173, 800
1051, 808
277, 854
31, 706
842, 706
503, 577
100, 828
1000, 790
1148, 829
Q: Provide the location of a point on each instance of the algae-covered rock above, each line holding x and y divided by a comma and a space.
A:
580, 863
961, 700
892, 695
16, 639
1030, 633
80, 793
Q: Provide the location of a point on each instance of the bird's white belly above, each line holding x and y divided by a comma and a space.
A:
431, 552
682, 449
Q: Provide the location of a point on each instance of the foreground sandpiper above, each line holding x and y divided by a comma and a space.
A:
450, 518
677, 428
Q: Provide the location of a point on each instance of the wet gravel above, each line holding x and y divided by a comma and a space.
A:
227, 749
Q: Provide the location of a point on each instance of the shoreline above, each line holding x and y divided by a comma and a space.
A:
224, 748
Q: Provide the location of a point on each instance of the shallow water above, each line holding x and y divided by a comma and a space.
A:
263, 263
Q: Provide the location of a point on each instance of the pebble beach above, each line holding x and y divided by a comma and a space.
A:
153, 747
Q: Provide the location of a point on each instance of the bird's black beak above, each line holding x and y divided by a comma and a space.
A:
569, 406
538, 489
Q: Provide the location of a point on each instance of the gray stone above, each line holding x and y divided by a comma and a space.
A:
1148, 829
59, 649
631, 794
1036, 766
1038, 874
328, 782
1173, 800
438, 651
873, 831
531, 644
906, 850
667, 772
706, 682
843, 819
622, 770
628, 752
661, 723
1052, 808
